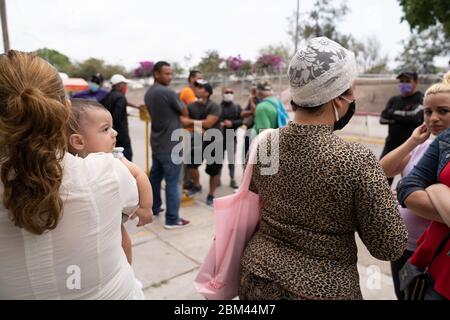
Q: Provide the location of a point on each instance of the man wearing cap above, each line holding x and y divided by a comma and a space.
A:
403, 113
95, 92
204, 115
270, 112
116, 103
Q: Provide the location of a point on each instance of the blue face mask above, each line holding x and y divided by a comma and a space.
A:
406, 88
93, 87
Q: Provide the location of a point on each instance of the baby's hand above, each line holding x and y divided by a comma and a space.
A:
145, 216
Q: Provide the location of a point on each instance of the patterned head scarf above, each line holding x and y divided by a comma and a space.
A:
320, 71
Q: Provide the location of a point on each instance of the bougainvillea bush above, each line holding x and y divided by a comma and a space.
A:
145, 69
270, 63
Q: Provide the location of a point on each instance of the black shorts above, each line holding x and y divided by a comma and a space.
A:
212, 170
213, 167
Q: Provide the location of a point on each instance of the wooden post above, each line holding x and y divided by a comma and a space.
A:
6, 45
145, 116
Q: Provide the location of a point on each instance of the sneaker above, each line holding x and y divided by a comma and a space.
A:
210, 200
233, 184
181, 224
194, 190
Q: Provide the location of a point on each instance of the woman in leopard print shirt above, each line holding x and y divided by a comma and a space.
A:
323, 191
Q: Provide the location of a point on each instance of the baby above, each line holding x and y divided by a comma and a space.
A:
91, 131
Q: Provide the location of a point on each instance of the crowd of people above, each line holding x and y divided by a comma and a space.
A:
68, 183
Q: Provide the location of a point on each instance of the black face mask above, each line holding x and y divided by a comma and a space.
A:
339, 125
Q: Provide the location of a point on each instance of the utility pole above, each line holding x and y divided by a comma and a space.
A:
4, 25
297, 26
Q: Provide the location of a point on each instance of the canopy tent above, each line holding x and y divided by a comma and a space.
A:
75, 84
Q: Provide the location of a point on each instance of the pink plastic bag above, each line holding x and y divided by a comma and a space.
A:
236, 219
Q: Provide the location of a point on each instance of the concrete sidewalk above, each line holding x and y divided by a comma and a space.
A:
166, 262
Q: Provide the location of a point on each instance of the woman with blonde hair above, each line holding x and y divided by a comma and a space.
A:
425, 191
403, 159
60, 215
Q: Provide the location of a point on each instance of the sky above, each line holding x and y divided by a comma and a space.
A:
126, 32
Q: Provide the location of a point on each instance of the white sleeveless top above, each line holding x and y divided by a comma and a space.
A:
83, 257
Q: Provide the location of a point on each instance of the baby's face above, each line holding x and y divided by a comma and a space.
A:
98, 132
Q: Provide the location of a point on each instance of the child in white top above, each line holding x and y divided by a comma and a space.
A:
91, 131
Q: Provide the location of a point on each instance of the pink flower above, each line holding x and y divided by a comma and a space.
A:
235, 63
145, 69
271, 62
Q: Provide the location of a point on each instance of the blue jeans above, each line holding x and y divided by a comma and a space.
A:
164, 168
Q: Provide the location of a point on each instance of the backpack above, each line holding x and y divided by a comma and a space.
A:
282, 115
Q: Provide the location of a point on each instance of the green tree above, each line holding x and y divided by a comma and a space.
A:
177, 69
84, 69
430, 37
56, 59
368, 55
111, 69
421, 48
423, 14
212, 62
323, 19
320, 21
247, 67
279, 50
91, 66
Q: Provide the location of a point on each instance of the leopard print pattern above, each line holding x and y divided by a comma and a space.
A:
257, 288
325, 190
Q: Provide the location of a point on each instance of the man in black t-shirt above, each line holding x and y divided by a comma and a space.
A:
165, 110
403, 113
204, 116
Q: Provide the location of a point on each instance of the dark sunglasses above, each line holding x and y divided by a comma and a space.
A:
229, 92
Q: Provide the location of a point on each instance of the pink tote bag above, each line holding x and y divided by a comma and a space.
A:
236, 220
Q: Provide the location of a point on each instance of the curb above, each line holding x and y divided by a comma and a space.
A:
362, 139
